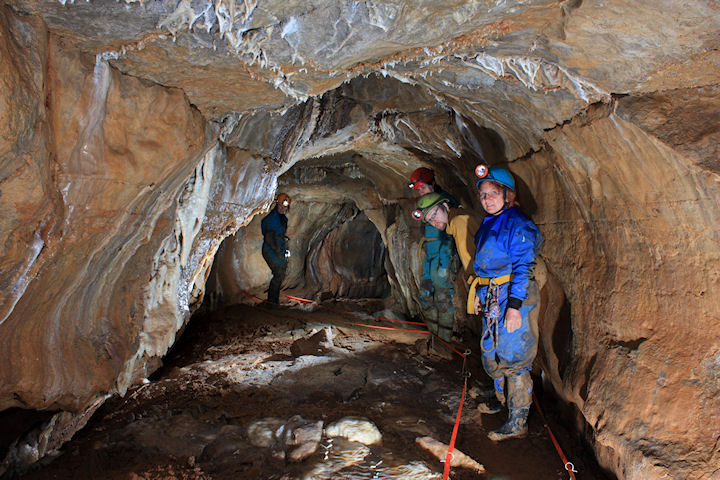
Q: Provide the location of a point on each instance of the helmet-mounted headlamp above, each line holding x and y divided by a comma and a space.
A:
285, 203
481, 171
417, 214
421, 176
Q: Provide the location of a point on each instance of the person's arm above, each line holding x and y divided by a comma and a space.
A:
523, 251
463, 228
524, 242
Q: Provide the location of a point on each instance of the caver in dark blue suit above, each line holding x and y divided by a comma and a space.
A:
274, 226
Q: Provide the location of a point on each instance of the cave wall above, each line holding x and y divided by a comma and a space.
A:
636, 224
137, 136
98, 181
115, 195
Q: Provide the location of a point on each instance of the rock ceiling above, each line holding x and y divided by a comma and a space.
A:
518, 67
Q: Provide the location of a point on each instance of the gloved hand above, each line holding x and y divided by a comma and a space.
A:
287, 253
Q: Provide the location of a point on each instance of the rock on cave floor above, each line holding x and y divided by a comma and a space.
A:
235, 366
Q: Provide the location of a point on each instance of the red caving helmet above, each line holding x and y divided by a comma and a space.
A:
421, 176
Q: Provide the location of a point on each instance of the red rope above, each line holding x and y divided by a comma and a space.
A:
388, 328
451, 447
305, 300
568, 465
449, 346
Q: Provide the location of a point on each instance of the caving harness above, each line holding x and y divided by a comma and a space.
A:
491, 305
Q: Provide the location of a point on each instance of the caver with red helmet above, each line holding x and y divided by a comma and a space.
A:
283, 200
421, 176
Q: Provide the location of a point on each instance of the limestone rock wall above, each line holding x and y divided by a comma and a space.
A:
115, 196
634, 222
104, 176
137, 135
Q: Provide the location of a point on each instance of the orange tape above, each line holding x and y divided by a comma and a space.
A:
554, 440
388, 328
250, 295
305, 300
451, 447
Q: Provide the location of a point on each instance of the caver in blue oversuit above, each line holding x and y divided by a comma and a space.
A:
275, 245
505, 259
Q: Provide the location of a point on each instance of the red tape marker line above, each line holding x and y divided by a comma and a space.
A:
305, 300
453, 438
400, 321
451, 447
252, 297
388, 328
554, 440
449, 346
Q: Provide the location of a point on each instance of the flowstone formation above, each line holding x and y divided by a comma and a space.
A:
139, 135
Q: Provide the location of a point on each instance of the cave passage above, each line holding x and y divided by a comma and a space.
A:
143, 141
336, 250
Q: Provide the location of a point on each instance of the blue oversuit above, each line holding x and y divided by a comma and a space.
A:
274, 226
508, 243
439, 269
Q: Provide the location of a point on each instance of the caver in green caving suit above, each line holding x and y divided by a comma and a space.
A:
507, 247
440, 266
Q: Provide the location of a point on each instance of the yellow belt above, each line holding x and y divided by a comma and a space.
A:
475, 281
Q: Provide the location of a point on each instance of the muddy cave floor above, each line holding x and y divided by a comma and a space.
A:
234, 366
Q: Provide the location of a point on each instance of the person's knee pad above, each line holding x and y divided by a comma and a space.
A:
519, 390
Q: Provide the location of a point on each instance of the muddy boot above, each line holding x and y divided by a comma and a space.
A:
515, 427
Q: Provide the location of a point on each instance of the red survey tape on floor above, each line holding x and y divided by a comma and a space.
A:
344, 312
466, 374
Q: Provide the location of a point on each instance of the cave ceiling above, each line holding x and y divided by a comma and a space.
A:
517, 67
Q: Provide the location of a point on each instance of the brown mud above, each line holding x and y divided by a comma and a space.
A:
235, 366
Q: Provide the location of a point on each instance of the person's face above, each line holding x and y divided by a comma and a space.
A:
491, 197
424, 189
437, 216
282, 209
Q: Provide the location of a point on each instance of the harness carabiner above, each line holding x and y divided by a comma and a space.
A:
492, 314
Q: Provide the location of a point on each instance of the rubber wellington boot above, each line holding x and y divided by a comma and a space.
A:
515, 427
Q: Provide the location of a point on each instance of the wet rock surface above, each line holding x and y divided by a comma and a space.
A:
228, 405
